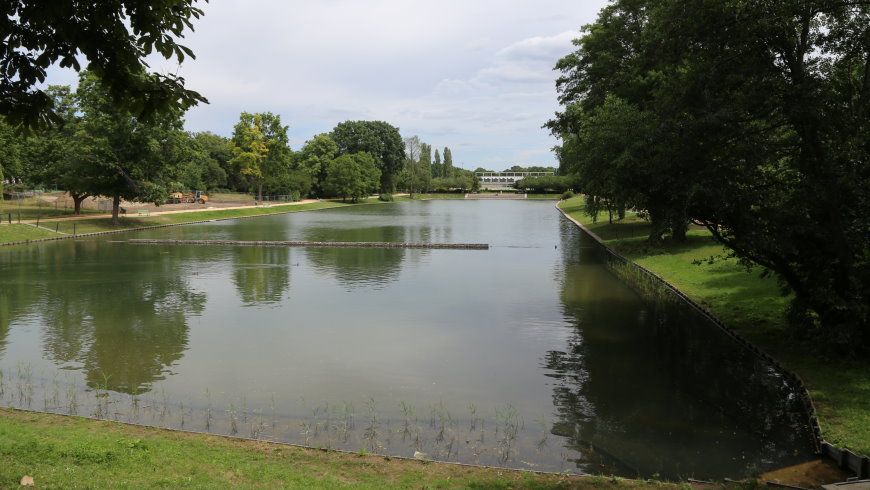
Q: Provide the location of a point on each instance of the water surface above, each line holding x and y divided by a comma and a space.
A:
529, 354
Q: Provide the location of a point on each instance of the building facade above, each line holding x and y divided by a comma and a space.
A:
505, 180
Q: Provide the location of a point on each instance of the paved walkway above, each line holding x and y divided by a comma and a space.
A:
160, 213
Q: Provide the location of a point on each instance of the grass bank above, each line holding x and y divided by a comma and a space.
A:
753, 306
72, 452
32, 208
18, 232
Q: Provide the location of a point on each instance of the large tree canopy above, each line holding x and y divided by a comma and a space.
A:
260, 148
381, 140
314, 160
126, 157
749, 118
352, 176
114, 36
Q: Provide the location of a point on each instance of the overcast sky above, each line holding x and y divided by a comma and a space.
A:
473, 75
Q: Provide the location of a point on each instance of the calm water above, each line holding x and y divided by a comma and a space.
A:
529, 355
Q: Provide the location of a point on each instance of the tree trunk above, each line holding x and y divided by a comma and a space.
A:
116, 206
77, 202
657, 226
678, 230
260, 191
679, 225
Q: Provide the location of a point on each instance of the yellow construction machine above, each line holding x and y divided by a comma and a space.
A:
190, 197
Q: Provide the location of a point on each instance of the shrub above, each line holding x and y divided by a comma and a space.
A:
386, 197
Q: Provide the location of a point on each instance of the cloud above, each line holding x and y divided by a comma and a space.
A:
474, 76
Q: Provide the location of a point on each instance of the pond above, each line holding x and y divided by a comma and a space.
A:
529, 355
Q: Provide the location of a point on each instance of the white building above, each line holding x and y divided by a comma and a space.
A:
505, 180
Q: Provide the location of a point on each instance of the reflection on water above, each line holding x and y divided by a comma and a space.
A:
530, 354
658, 388
261, 274
121, 327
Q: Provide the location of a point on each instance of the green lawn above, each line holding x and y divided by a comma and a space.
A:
554, 197
93, 225
72, 452
755, 307
18, 233
441, 195
32, 208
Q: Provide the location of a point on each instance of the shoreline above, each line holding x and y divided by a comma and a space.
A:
846, 459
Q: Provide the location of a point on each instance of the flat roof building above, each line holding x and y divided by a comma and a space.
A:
505, 180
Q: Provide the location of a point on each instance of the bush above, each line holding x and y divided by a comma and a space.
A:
567, 195
386, 197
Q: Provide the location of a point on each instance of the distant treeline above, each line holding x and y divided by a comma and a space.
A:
97, 149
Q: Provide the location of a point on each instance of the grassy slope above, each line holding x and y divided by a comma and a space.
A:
93, 225
32, 208
755, 307
16, 233
71, 452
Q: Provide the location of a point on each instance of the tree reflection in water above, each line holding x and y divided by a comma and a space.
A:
124, 334
656, 388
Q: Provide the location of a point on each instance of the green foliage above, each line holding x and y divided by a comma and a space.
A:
461, 181
314, 159
448, 170
518, 168
352, 176
291, 182
545, 183
417, 174
209, 165
260, 149
10, 152
754, 305
122, 156
114, 36
385, 197
749, 118
380, 139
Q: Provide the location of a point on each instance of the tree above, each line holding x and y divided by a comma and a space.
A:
413, 148
437, 166
352, 176
114, 36
381, 140
749, 118
447, 171
314, 160
249, 151
127, 157
424, 168
260, 148
10, 152
544, 183
201, 170
53, 151
410, 177
213, 160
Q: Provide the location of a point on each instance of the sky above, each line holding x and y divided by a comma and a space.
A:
472, 75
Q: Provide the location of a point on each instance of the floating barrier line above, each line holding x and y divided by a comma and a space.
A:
270, 243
